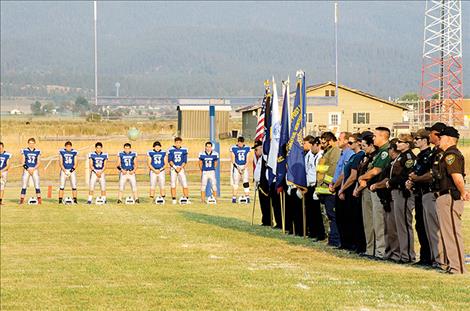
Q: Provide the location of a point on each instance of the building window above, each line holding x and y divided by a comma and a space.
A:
327, 92
361, 118
310, 117
332, 93
334, 118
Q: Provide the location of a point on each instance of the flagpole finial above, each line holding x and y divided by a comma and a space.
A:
299, 74
266, 83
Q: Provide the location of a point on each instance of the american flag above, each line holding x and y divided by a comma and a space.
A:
260, 127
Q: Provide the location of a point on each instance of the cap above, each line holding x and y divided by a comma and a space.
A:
438, 127
450, 131
257, 144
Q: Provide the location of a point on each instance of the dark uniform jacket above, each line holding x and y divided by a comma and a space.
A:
451, 162
400, 170
422, 166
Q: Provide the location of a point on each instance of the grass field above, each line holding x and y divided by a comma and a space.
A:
141, 257
195, 257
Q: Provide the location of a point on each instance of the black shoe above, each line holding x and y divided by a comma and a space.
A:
119, 202
137, 201
423, 263
60, 201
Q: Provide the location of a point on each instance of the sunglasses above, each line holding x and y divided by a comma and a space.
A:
351, 142
418, 138
401, 142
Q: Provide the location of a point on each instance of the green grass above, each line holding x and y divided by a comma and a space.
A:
195, 257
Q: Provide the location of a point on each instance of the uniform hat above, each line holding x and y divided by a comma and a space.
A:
450, 131
438, 127
257, 144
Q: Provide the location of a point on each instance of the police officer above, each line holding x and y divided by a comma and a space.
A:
392, 246
261, 183
403, 202
450, 200
431, 221
422, 165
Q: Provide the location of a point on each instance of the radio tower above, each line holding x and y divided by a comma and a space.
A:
441, 94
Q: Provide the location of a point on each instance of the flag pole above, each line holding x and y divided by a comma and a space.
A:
336, 53
304, 216
96, 53
283, 211
254, 204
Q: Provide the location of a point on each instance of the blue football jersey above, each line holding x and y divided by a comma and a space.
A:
68, 158
4, 158
31, 157
241, 154
158, 158
178, 156
127, 160
208, 160
98, 159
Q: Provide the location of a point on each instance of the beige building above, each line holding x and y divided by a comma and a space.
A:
356, 110
193, 119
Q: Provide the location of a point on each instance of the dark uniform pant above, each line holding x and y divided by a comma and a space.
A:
424, 250
265, 207
276, 205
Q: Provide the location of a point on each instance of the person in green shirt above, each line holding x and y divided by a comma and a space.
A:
380, 161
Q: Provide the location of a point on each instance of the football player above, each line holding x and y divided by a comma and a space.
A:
4, 166
157, 162
97, 162
177, 159
208, 161
127, 167
68, 165
239, 154
30, 161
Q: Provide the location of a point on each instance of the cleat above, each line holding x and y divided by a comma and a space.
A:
137, 201
88, 202
119, 202
234, 200
247, 200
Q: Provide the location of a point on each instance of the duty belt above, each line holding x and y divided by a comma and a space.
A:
453, 192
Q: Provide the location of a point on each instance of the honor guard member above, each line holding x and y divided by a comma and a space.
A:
97, 162
403, 201
127, 168
315, 227
422, 166
450, 200
4, 166
31, 169
208, 161
262, 187
431, 220
239, 154
157, 163
177, 159
67, 165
